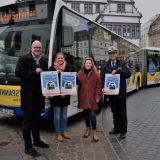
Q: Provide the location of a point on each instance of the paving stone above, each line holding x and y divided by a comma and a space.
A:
143, 136
77, 148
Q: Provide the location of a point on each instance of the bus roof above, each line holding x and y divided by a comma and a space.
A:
17, 13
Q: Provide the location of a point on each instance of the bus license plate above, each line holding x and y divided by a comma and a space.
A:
7, 112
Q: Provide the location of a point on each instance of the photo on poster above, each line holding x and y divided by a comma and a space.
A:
68, 83
111, 86
50, 83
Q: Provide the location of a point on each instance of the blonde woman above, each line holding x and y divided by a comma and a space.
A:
89, 94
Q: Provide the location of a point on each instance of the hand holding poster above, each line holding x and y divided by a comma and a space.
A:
68, 83
50, 83
111, 85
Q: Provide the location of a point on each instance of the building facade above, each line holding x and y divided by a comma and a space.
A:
154, 33
150, 33
120, 16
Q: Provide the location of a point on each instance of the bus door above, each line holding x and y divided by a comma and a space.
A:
153, 67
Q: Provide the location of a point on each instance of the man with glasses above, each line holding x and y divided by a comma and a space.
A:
117, 102
28, 69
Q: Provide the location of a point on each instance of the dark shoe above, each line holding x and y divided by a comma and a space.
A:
32, 152
113, 131
41, 144
122, 136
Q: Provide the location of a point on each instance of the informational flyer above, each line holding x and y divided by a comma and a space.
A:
68, 83
112, 83
50, 83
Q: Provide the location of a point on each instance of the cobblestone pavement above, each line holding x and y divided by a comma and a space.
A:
77, 148
143, 137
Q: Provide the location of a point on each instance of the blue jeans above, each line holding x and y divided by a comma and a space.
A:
60, 119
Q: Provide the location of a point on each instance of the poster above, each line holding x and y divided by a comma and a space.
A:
50, 83
111, 85
68, 83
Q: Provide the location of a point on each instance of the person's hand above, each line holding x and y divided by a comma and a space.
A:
97, 100
62, 96
114, 72
38, 70
49, 96
58, 71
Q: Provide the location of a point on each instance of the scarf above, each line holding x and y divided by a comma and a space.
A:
60, 67
86, 71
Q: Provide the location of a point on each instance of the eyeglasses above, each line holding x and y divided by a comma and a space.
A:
37, 47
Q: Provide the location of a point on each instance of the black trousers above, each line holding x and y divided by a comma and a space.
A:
90, 118
30, 126
119, 110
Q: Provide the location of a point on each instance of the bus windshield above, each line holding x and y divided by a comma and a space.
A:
7, 60
20, 25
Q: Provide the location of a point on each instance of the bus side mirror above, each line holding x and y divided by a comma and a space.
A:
67, 36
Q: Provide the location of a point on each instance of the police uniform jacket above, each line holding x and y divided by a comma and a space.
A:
122, 69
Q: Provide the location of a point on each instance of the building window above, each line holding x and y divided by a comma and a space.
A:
119, 30
137, 31
88, 8
128, 31
109, 27
121, 8
97, 8
124, 31
114, 28
133, 31
75, 6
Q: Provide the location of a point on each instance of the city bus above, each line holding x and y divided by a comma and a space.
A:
145, 66
59, 29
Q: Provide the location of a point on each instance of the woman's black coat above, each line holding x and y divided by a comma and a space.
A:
31, 94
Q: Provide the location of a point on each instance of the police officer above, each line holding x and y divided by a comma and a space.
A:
117, 102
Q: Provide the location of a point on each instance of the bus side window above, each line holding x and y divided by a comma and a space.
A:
67, 36
35, 37
8, 41
16, 45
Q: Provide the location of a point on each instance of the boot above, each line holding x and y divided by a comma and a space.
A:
95, 137
65, 135
59, 138
87, 132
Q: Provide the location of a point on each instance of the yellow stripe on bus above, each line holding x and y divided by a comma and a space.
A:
9, 95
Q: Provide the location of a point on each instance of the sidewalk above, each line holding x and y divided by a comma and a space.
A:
77, 148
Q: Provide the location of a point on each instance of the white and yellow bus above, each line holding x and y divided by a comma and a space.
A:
145, 66
59, 29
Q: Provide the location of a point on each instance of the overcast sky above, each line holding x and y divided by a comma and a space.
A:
148, 8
